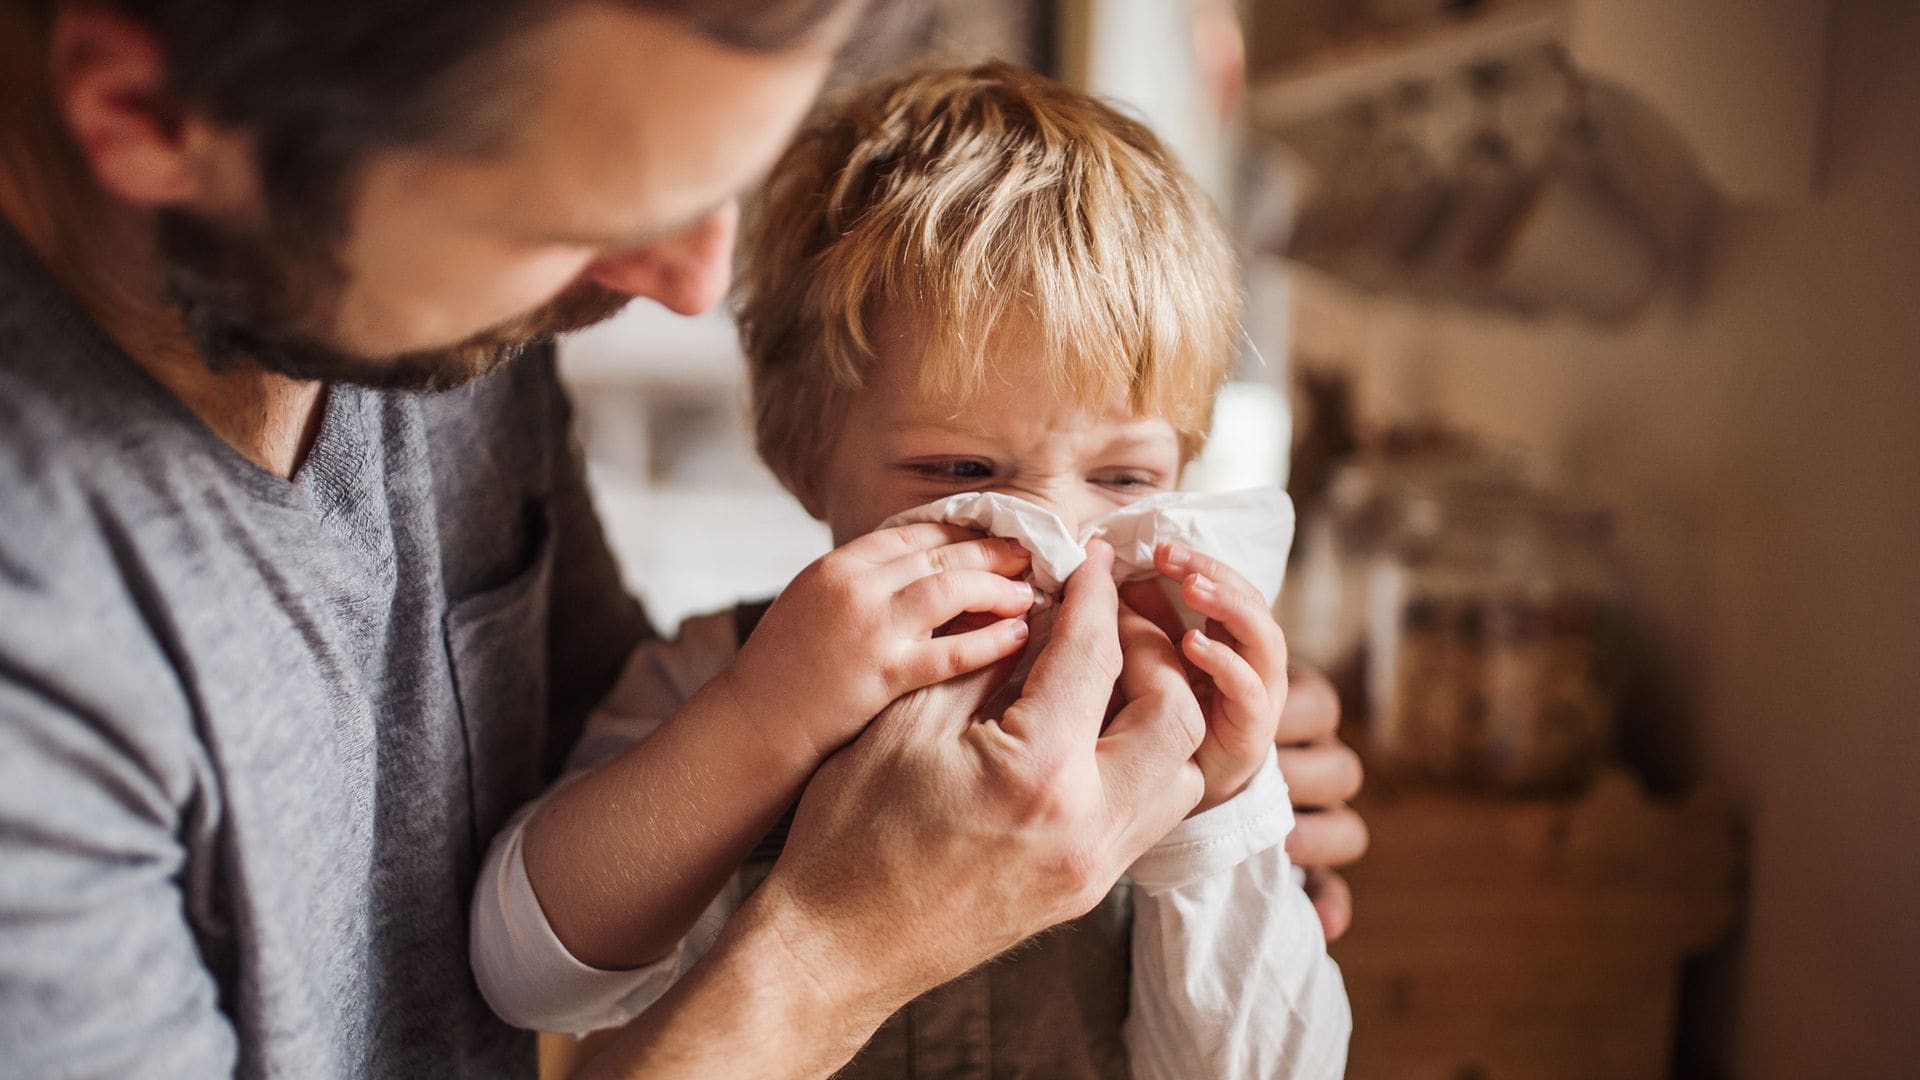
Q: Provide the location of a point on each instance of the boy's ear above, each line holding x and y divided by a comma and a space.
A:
111, 86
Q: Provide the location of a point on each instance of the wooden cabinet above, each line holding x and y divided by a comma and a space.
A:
1504, 940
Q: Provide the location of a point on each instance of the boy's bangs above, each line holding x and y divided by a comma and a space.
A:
1120, 304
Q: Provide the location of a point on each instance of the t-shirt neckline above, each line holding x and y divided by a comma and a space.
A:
339, 405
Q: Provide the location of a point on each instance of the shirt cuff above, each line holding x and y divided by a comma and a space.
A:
1221, 838
525, 971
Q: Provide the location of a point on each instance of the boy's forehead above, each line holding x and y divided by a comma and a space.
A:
1028, 415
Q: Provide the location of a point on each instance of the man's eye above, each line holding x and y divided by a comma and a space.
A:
1126, 481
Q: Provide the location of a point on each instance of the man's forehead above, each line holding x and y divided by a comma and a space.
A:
630, 122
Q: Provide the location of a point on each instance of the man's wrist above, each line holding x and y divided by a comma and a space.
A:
768, 1000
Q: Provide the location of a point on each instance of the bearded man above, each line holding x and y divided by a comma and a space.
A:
301, 594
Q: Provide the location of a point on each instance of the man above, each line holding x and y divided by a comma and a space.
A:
275, 628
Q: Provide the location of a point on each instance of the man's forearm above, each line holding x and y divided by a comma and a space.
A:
759, 1005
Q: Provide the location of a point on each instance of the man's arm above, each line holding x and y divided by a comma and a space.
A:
756, 1006
995, 828
100, 974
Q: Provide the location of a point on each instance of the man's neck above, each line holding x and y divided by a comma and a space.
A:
103, 252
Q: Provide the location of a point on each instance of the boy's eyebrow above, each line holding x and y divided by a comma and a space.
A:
1134, 433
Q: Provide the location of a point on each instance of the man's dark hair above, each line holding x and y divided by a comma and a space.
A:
321, 85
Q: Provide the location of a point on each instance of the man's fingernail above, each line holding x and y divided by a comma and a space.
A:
1020, 630
1201, 639
1178, 556
1201, 584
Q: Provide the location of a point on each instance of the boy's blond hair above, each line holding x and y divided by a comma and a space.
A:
962, 195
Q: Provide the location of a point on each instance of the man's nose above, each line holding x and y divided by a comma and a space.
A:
687, 272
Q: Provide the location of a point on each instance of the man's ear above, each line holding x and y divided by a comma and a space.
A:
110, 84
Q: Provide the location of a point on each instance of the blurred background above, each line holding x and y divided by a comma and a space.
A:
1584, 333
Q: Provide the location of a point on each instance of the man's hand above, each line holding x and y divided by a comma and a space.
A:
1322, 774
940, 838
856, 630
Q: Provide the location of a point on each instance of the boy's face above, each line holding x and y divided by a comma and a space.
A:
896, 450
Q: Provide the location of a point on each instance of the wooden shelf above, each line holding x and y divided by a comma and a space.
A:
1531, 939
1739, 83
1367, 70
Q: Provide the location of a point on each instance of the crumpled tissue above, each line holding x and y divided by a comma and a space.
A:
1249, 531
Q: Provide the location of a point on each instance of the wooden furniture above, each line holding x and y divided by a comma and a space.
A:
1497, 939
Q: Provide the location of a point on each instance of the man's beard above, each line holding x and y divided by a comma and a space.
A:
246, 303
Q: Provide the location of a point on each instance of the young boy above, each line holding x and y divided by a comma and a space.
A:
959, 280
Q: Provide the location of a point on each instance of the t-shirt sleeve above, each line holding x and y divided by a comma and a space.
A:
101, 971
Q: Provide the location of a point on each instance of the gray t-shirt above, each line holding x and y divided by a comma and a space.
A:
255, 734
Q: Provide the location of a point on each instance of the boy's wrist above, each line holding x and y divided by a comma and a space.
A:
1211, 800
768, 722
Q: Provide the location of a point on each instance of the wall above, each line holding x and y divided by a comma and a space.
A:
1762, 445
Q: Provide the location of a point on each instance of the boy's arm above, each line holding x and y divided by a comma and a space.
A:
995, 829
625, 857
651, 755
1230, 970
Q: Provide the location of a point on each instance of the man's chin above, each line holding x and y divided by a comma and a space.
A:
299, 357
311, 361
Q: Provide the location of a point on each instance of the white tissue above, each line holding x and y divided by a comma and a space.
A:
1250, 531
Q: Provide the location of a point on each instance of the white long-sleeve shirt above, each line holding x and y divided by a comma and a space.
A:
1230, 975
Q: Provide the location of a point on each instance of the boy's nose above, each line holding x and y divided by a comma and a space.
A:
1066, 504
687, 272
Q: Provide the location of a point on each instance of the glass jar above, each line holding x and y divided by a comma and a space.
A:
1490, 652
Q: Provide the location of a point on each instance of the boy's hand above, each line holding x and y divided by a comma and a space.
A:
1242, 655
856, 629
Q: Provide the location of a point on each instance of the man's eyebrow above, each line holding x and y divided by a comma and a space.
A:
638, 238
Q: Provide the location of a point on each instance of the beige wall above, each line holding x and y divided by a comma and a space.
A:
1762, 442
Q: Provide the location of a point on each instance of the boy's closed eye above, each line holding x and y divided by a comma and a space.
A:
972, 472
953, 470
1131, 481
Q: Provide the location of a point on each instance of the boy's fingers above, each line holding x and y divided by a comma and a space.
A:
950, 657
886, 545
1244, 615
999, 555
1179, 562
1065, 698
941, 707
935, 600
1232, 675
